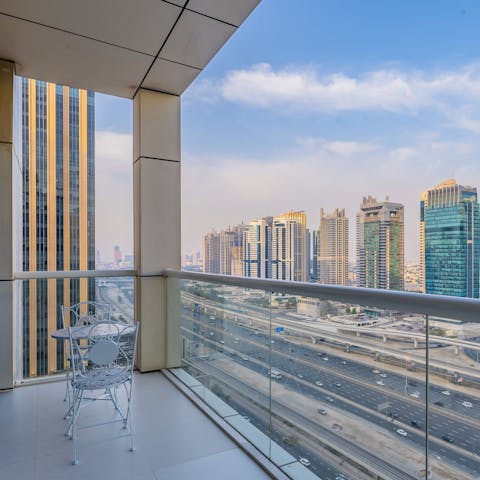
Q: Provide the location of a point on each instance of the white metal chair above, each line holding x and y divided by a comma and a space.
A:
81, 314
105, 363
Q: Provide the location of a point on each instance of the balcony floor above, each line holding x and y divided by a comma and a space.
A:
174, 439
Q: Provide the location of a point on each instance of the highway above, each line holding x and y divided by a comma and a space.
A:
317, 331
358, 393
348, 449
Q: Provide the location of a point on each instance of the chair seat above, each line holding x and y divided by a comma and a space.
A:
101, 379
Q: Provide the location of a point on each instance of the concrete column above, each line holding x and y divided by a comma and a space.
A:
157, 218
8, 169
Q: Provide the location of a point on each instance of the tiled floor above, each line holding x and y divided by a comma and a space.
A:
174, 440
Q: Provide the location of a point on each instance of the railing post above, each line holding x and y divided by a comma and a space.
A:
157, 222
9, 182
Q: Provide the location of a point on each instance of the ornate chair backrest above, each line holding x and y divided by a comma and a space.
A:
85, 313
110, 348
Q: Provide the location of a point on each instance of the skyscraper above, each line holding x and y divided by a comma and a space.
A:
332, 256
58, 128
450, 240
380, 244
257, 248
289, 247
211, 252
230, 244
312, 253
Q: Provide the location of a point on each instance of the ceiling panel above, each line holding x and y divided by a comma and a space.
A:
196, 39
48, 54
140, 25
170, 77
232, 11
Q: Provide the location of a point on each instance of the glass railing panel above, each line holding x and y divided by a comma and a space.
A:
333, 390
454, 399
39, 314
225, 354
350, 402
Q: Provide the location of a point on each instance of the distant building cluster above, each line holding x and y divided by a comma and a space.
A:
119, 260
282, 247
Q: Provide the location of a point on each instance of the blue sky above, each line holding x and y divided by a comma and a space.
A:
314, 106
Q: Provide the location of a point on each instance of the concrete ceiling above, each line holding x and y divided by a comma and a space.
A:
117, 46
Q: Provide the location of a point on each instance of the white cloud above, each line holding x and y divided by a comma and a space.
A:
113, 192
307, 89
342, 148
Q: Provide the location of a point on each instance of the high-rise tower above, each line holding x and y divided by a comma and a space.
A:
257, 248
289, 247
450, 240
380, 244
211, 252
332, 248
58, 135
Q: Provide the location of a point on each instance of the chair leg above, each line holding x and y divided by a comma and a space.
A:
132, 436
68, 396
129, 416
76, 408
74, 397
113, 398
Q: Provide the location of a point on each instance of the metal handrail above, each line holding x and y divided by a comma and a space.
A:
61, 274
457, 308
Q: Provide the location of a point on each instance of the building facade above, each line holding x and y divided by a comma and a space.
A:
222, 251
332, 248
230, 244
211, 252
380, 244
450, 240
58, 149
257, 248
289, 247
314, 259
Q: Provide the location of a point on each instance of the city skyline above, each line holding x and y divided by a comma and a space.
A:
351, 232
407, 117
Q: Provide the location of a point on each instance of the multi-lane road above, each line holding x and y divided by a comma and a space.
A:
388, 398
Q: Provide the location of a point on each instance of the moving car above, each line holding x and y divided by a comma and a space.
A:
415, 394
467, 404
305, 462
383, 375
402, 432
446, 392
338, 384
321, 411
375, 370
318, 383
380, 382
448, 438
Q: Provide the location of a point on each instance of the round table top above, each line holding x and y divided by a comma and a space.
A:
81, 332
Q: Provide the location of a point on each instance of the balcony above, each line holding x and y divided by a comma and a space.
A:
354, 382
174, 438
385, 385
